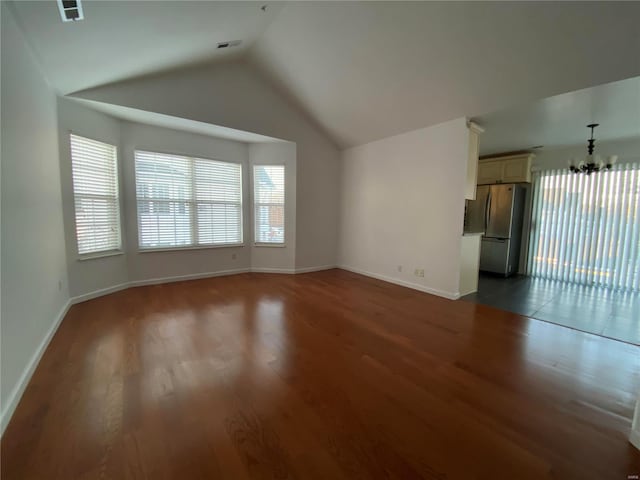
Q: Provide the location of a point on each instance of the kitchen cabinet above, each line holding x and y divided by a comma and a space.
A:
511, 169
469, 263
489, 172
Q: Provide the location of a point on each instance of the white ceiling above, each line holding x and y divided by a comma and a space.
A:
123, 39
175, 123
362, 70
561, 120
368, 70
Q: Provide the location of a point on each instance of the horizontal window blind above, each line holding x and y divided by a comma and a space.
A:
269, 198
185, 201
95, 193
585, 229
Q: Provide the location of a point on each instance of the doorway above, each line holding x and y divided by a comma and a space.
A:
583, 261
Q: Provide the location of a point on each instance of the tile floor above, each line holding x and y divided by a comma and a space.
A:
590, 309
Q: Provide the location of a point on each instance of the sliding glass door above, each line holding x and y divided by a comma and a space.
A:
586, 229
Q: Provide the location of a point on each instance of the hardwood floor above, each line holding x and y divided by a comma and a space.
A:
328, 375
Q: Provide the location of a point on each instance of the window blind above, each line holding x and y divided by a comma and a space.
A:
95, 193
185, 201
586, 229
268, 195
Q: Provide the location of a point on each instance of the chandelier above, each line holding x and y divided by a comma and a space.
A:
592, 163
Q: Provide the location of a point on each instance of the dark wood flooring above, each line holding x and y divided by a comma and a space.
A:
327, 375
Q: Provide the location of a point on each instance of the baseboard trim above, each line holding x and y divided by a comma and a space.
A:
16, 394
462, 294
315, 269
286, 271
193, 276
293, 270
182, 278
402, 283
634, 439
98, 293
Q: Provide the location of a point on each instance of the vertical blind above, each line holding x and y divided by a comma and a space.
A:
268, 195
585, 229
185, 201
95, 194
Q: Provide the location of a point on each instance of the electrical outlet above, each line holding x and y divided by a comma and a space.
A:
399, 268
233, 256
59, 285
419, 272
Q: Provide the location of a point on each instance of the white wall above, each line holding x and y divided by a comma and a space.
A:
235, 95
155, 265
34, 291
276, 258
403, 204
88, 275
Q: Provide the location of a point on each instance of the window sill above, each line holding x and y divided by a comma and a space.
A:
270, 245
197, 247
93, 256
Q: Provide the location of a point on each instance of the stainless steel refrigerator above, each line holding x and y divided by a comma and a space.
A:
497, 212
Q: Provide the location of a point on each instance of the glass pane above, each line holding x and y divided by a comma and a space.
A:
269, 203
269, 223
219, 223
164, 224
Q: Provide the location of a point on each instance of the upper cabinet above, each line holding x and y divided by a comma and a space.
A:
472, 161
489, 172
511, 169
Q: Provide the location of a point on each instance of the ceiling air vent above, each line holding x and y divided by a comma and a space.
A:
70, 10
233, 43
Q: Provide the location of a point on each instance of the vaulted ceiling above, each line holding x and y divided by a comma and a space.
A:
123, 39
361, 70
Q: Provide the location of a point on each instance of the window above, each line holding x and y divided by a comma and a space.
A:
585, 229
268, 198
95, 194
187, 202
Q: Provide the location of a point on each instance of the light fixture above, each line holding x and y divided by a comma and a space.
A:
592, 163
70, 10
233, 43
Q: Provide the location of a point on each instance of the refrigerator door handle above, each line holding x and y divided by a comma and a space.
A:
487, 211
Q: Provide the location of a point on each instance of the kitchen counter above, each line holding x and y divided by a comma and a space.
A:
469, 262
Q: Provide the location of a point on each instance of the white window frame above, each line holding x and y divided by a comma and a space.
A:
256, 204
193, 217
115, 249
